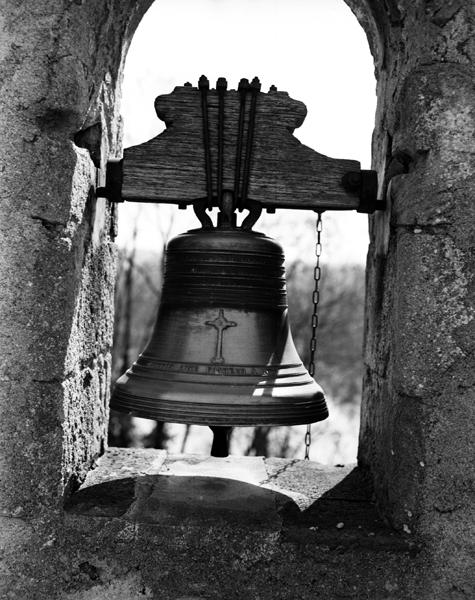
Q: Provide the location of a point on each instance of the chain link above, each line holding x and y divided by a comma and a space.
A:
317, 272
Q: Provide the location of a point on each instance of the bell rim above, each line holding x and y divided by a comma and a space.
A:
245, 415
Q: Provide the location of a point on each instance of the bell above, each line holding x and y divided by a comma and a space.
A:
221, 353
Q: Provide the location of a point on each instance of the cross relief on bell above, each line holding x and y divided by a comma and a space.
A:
220, 324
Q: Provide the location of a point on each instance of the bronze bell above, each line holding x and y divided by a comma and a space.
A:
221, 353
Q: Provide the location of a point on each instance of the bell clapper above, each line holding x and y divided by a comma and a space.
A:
220, 446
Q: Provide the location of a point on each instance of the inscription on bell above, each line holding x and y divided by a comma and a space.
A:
207, 369
226, 370
220, 324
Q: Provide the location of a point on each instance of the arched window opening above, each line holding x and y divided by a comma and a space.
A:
317, 52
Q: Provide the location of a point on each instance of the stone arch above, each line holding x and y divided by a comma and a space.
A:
63, 67
60, 64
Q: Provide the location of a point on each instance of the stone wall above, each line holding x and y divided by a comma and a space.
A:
60, 68
417, 425
60, 65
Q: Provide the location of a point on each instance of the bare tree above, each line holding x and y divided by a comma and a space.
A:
137, 299
120, 423
260, 442
185, 439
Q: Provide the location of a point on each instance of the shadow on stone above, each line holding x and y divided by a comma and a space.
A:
341, 516
108, 499
345, 516
176, 500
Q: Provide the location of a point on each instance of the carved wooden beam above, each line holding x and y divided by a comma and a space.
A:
283, 173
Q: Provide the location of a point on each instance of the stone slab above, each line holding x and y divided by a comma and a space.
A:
178, 500
303, 481
145, 486
235, 527
121, 463
307, 500
249, 469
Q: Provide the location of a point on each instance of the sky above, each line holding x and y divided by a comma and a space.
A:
313, 49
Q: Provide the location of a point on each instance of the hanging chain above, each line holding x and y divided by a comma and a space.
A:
314, 323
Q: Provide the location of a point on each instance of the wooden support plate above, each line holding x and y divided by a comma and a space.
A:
284, 173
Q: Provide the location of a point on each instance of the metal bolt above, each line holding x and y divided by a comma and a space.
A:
352, 180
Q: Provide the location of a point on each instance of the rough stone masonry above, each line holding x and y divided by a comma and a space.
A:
60, 71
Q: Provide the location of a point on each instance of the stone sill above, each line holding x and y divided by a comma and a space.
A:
301, 500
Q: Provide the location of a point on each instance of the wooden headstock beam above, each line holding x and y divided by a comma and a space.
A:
284, 173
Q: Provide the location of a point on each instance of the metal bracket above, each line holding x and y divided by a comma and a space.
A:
366, 183
113, 188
